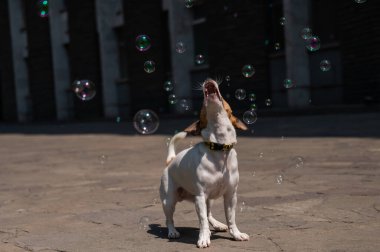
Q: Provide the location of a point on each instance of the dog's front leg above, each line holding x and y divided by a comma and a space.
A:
230, 201
204, 231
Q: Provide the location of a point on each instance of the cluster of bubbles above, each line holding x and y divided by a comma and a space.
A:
146, 121
43, 8
84, 89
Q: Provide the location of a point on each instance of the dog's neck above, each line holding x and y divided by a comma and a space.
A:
219, 127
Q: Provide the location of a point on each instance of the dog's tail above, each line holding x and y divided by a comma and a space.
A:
172, 145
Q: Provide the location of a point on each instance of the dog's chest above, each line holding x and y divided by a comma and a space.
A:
217, 186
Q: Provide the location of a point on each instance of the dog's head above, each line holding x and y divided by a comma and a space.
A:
213, 101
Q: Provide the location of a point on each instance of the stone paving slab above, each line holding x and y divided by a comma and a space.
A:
99, 192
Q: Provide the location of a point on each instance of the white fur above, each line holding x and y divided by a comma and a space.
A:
201, 175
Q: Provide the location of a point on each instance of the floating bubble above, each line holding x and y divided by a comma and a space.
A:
253, 107
313, 44
149, 66
243, 207
84, 89
306, 33
268, 102
240, 94
360, 1
299, 161
146, 121
279, 179
189, 3
248, 71
228, 78
103, 159
155, 201
288, 83
144, 222
43, 8
180, 47
184, 105
252, 97
261, 154
118, 119
172, 99
167, 141
277, 46
282, 21
199, 59
266, 42
143, 43
168, 86
325, 65
249, 117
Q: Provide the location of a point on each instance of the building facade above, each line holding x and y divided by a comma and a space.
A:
40, 56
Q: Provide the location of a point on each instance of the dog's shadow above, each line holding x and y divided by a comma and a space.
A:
189, 235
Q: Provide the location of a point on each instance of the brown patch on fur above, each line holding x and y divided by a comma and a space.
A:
196, 127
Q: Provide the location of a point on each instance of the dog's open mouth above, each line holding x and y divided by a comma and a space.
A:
210, 89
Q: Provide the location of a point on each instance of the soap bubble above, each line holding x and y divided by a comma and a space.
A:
249, 117
84, 89
189, 3
172, 99
118, 119
313, 44
199, 59
306, 33
243, 207
184, 105
277, 46
240, 94
261, 154
146, 121
43, 8
252, 97
180, 47
103, 159
149, 66
279, 179
282, 21
268, 102
299, 161
144, 222
228, 78
253, 107
325, 65
143, 43
248, 71
288, 83
168, 86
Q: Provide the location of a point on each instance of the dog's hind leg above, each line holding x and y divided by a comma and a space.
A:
217, 225
169, 200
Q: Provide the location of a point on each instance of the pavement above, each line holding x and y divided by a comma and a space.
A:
307, 183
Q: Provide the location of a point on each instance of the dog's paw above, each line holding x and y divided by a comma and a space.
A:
173, 234
220, 227
241, 236
204, 239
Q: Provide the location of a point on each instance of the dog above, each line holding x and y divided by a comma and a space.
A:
206, 171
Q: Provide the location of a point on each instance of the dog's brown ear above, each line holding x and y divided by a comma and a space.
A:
238, 124
194, 129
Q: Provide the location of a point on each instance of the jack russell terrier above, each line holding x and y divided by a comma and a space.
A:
206, 171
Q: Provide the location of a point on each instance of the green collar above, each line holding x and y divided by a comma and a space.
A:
218, 146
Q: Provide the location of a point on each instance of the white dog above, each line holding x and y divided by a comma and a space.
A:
206, 171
